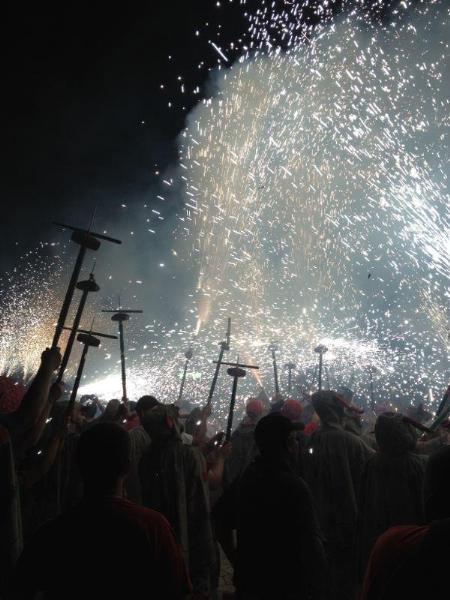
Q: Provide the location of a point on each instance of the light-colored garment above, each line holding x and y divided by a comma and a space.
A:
392, 484
243, 451
334, 463
139, 439
174, 482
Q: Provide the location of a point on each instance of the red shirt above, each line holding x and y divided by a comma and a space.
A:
104, 548
392, 549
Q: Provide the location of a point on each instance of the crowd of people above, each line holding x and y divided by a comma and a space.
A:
311, 499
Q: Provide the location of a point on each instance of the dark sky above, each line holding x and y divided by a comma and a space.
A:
77, 83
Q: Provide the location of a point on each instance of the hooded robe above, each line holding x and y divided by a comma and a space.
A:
392, 484
174, 482
334, 463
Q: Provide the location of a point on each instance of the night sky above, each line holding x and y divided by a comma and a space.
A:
77, 85
85, 121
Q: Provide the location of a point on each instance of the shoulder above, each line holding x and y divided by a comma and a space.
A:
147, 517
358, 444
396, 541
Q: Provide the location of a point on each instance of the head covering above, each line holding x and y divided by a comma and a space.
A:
382, 407
146, 403
271, 434
254, 408
292, 409
161, 423
193, 421
345, 392
11, 394
394, 434
329, 406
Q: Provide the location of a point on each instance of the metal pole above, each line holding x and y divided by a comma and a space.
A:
372, 396
86, 286
183, 379
69, 295
273, 348
122, 363
76, 383
224, 346
216, 375
275, 373
188, 355
232, 405
320, 370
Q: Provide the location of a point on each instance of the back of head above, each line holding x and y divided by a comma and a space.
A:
111, 411
144, 404
292, 409
254, 409
193, 421
161, 423
437, 485
11, 394
329, 407
272, 435
345, 393
103, 454
394, 435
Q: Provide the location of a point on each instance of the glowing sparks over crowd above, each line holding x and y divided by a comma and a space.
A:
317, 193
315, 182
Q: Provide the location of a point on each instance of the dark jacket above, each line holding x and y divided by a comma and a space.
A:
279, 552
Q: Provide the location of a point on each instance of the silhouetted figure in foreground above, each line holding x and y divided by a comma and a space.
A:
174, 481
392, 485
334, 463
411, 562
244, 448
279, 548
130, 548
139, 439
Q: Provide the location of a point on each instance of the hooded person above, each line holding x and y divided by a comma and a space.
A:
392, 483
411, 561
139, 439
174, 482
293, 410
279, 546
243, 447
334, 462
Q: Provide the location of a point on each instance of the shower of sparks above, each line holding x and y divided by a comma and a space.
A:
316, 210
317, 197
27, 317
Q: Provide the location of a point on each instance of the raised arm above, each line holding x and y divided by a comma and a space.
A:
37, 395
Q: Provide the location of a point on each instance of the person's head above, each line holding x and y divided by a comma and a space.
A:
275, 437
144, 405
193, 421
328, 407
88, 407
103, 458
11, 394
345, 393
161, 423
437, 485
332, 407
112, 410
394, 435
254, 409
292, 409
